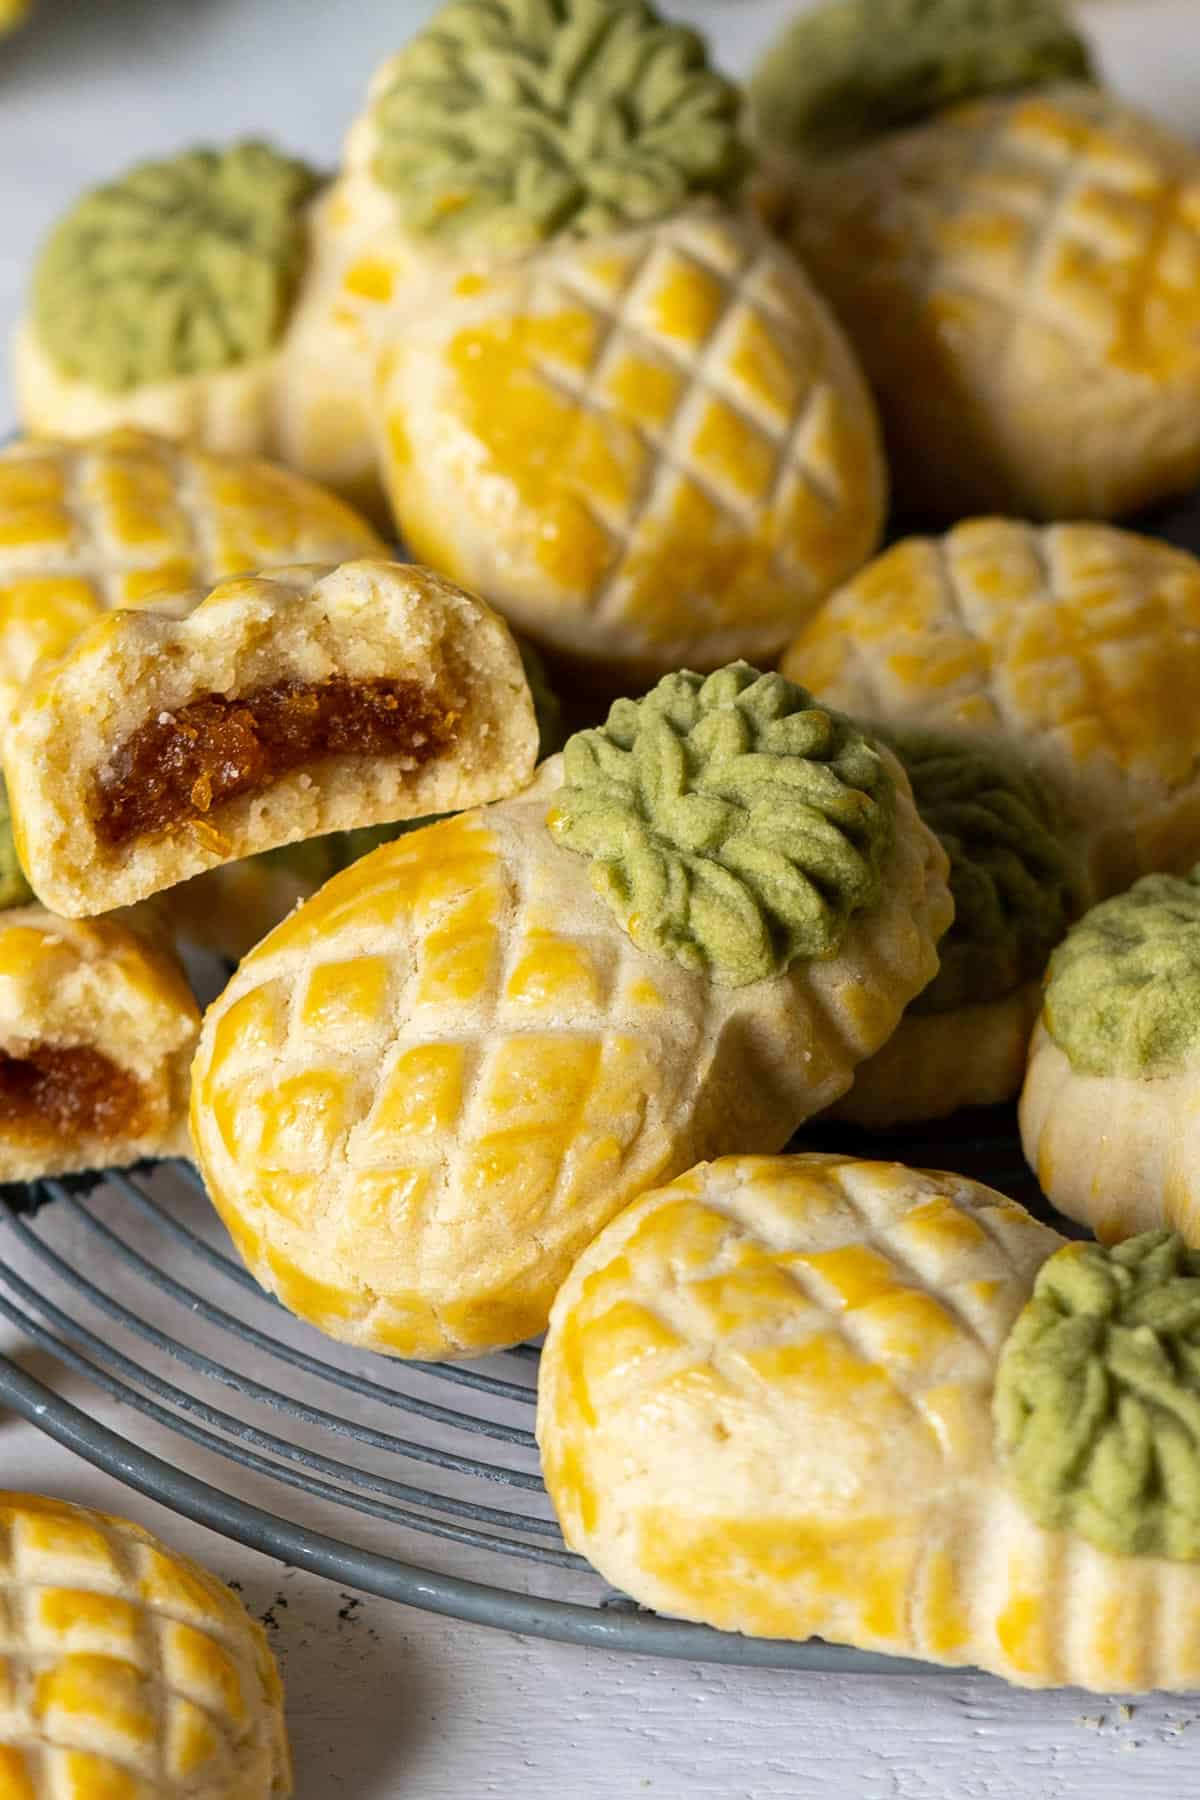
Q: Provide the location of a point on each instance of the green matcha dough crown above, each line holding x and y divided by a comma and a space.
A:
1123, 991
505, 122
1014, 882
856, 68
1097, 1399
734, 825
178, 268
14, 889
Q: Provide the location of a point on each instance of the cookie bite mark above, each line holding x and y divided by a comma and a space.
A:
274, 710
182, 765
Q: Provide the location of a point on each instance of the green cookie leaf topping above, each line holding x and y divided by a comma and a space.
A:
1123, 992
506, 122
735, 825
1097, 1400
1014, 882
14, 889
854, 69
179, 268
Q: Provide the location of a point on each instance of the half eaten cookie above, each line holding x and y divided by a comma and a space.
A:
97, 1028
269, 710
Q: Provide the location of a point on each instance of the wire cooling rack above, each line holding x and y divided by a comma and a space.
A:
402, 1479
397, 1478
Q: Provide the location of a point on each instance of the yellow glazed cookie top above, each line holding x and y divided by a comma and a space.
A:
1084, 637
764, 1395
127, 1672
417, 1039
112, 522
1063, 206
426, 1091
765, 1402
665, 431
38, 950
852, 1307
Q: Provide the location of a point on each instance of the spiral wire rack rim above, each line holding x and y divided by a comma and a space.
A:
38, 1312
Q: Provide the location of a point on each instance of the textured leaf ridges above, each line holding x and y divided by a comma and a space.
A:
507, 121
734, 824
1097, 1403
1123, 994
178, 268
1015, 882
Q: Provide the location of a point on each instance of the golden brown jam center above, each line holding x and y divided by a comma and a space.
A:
181, 765
60, 1091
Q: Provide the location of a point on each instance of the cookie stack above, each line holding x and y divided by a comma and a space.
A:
631, 361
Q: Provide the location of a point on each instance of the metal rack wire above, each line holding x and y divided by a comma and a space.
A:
391, 1477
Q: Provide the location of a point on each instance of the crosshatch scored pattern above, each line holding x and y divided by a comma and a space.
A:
426, 1460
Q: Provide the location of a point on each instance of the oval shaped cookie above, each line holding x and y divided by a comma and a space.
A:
127, 1669
1020, 277
428, 1089
1109, 1107
766, 1403
1072, 650
494, 129
652, 451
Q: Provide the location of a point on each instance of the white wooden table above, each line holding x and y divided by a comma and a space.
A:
387, 1702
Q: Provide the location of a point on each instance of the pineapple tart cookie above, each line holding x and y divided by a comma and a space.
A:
1073, 650
500, 125
131, 1673
1021, 277
422, 1096
853, 69
168, 741
117, 520
619, 411
808, 1395
1111, 1101
97, 1029
1016, 885
160, 300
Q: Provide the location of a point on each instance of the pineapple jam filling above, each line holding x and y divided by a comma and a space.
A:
182, 765
64, 1091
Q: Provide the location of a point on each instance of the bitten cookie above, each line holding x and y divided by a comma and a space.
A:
130, 1671
808, 1395
160, 300
1016, 885
269, 710
1109, 1108
1021, 278
118, 520
97, 1029
424, 1094
1073, 650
